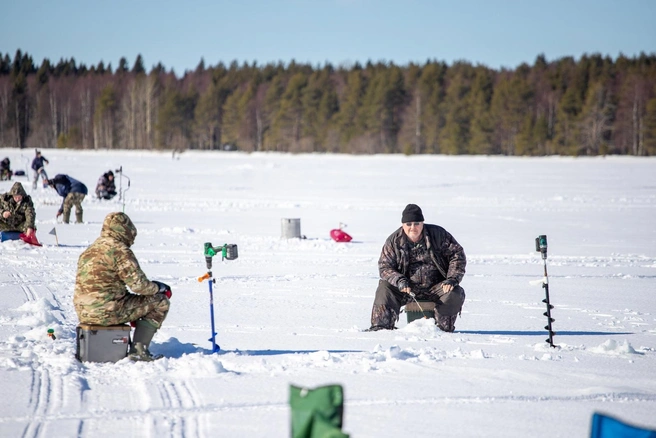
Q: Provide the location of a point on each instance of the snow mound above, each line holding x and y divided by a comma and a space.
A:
611, 346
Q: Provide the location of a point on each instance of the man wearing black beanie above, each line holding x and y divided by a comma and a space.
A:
419, 261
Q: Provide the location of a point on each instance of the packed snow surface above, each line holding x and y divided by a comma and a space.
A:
293, 311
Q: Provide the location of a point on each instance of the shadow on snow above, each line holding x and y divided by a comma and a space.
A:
537, 333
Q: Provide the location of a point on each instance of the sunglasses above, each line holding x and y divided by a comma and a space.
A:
409, 224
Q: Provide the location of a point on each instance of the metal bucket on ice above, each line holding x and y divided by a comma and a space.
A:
291, 228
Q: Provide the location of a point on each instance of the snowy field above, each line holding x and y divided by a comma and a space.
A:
293, 311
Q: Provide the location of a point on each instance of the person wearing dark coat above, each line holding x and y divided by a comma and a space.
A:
39, 169
423, 262
73, 192
5, 169
17, 211
106, 189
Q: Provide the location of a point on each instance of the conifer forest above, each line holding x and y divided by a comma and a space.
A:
594, 105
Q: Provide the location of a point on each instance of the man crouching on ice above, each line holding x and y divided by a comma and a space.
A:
104, 270
424, 260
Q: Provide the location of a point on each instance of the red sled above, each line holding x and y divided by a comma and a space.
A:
340, 236
32, 240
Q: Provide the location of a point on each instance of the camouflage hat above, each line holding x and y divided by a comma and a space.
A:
118, 226
17, 189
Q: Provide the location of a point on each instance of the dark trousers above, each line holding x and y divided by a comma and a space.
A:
389, 299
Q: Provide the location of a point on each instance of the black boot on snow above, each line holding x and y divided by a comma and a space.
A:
446, 323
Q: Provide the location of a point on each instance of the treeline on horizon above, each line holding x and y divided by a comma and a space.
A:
591, 106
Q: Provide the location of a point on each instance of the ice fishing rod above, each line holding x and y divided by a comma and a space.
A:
121, 196
413, 295
228, 252
541, 247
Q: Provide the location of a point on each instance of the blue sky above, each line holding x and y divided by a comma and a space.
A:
497, 33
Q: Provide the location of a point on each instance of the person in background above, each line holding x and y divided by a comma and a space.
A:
104, 272
5, 169
106, 188
17, 211
73, 192
423, 260
38, 165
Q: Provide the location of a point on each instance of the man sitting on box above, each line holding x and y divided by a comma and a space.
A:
101, 297
419, 261
17, 212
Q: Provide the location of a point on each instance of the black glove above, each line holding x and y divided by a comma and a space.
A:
163, 288
450, 281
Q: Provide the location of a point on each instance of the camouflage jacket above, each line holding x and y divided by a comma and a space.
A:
106, 267
445, 253
104, 183
22, 213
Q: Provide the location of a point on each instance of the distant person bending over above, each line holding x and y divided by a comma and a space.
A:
17, 211
101, 297
39, 169
106, 188
423, 259
5, 169
73, 192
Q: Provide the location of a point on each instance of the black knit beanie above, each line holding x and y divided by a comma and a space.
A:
412, 213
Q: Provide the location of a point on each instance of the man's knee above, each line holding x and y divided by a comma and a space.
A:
451, 302
388, 295
158, 310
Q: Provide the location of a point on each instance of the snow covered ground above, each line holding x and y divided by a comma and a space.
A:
293, 311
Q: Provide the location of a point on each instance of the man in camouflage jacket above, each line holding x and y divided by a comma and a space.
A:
101, 297
424, 260
17, 211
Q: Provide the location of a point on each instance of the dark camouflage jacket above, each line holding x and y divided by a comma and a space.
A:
104, 183
106, 267
445, 252
22, 213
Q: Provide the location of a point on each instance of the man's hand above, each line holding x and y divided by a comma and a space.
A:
163, 288
29, 232
6, 214
407, 290
448, 285
59, 213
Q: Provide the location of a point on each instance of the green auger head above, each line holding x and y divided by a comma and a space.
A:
228, 252
209, 253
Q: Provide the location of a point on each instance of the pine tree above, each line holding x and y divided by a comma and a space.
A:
431, 89
650, 128
596, 120
138, 66
481, 127
347, 119
455, 135
104, 118
286, 125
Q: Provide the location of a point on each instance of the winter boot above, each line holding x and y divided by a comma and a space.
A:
66, 217
143, 334
446, 323
78, 217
